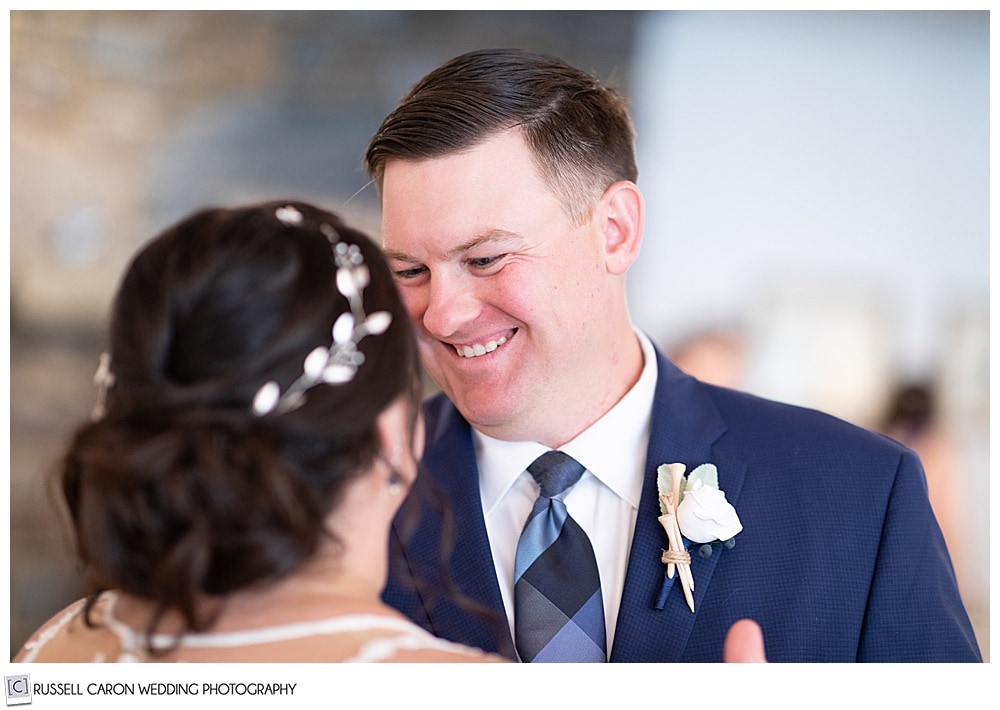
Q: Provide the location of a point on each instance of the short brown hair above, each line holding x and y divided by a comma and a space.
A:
578, 129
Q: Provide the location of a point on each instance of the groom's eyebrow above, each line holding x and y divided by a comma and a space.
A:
494, 235
399, 256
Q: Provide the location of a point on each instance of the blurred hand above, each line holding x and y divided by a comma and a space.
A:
744, 643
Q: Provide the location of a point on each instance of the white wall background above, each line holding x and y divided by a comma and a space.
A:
838, 159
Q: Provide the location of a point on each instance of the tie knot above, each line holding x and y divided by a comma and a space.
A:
555, 471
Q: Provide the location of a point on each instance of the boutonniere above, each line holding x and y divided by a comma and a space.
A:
692, 508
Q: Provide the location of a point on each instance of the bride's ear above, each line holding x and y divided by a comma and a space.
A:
391, 425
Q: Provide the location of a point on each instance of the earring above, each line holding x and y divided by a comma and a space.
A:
395, 483
104, 378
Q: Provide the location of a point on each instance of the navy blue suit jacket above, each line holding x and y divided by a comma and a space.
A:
840, 558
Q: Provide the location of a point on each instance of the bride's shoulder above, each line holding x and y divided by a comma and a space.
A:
46, 637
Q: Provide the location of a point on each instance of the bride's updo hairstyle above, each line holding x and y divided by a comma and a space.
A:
214, 457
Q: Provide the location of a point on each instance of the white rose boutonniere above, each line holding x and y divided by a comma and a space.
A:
704, 514
693, 508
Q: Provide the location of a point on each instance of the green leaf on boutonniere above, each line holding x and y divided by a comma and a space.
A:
707, 473
663, 484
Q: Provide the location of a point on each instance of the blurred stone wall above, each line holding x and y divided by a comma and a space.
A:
122, 122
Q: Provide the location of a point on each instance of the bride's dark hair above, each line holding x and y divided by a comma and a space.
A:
180, 492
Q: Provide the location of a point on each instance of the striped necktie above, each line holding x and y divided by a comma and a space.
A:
558, 608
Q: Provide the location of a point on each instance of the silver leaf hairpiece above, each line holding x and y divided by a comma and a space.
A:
332, 365
338, 363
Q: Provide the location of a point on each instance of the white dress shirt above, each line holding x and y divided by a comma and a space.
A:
604, 502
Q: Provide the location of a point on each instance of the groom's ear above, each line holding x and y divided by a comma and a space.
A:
620, 212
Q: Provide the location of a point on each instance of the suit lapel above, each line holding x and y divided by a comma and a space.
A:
451, 456
684, 428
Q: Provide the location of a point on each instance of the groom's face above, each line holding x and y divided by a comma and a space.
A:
505, 290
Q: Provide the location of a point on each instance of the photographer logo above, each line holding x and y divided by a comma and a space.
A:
18, 689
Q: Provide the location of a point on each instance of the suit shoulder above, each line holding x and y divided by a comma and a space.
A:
771, 422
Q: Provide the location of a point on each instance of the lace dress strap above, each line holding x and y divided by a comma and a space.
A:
414, 638
131, 641
409, 637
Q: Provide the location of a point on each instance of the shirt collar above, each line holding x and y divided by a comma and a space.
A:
619, 466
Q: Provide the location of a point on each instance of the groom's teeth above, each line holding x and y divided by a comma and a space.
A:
477, 349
